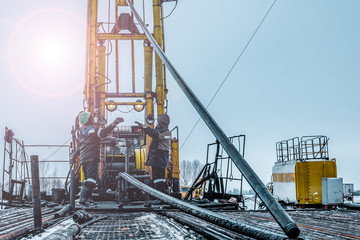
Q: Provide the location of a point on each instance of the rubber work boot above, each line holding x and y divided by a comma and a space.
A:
151, 184
160, 186
86, 192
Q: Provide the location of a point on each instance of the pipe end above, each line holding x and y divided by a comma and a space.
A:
292, 230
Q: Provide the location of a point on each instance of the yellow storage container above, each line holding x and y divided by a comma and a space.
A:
308, 176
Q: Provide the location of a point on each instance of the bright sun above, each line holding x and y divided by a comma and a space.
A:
52, 53
46, 52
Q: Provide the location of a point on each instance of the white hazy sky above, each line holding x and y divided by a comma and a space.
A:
299, 76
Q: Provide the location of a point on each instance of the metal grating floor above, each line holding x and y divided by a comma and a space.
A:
317, 224
137, 226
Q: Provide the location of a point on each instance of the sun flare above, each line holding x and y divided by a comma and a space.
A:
51, 60
52, 53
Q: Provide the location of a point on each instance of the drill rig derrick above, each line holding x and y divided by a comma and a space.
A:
102, 94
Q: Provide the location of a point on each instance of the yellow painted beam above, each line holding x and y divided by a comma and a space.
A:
160, 95
116, 52
121, 3
93, 26
101, 77
125, 103
175, 172
108, 36
125, 95
148, 66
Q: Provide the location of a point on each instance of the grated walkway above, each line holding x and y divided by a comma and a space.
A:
137, 226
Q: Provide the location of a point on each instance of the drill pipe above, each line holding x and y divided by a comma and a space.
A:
10, 226
21, 205
205, 214
68, 233
14, 214
279, 214
351, 206
215, 232
82, 216
62, 212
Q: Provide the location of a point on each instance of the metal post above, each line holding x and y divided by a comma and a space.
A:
120, 194
279, 214
3, 174
72, 190
36, 193
255, 201
10, 170
127, 158
125, 184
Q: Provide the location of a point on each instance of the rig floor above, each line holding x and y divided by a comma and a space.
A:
163, 222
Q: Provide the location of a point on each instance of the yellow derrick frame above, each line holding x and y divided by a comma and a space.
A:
96, 72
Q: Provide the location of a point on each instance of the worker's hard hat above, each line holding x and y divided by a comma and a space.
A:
84, 117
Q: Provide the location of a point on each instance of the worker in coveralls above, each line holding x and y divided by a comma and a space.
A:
89, 137
159, 152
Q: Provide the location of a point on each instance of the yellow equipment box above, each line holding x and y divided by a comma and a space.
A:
308, 175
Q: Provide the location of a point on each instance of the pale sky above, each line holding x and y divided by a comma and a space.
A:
299, 75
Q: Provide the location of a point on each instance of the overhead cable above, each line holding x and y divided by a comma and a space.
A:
64, 144
176, 3
231, 69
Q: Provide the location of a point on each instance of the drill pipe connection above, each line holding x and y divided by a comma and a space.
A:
82, 216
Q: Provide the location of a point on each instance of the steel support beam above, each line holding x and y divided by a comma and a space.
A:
284, 220
216, 218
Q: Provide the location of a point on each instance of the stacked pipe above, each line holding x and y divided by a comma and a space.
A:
24, 224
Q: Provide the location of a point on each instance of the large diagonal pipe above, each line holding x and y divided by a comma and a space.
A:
279, 214
216, 218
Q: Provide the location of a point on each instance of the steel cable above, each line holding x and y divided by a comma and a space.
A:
231, 69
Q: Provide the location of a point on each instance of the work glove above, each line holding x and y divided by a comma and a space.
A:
118, 120
140, 124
